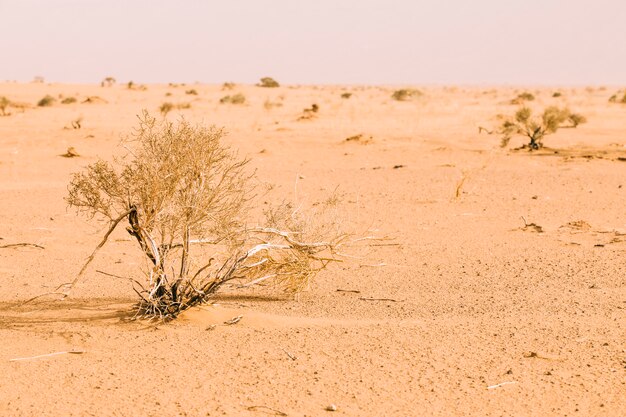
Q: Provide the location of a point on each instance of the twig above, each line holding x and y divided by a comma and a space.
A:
354, 291
12, 245
74, 352
114, 224
501, 384
234, 320
292, 357
276, 412
379, 299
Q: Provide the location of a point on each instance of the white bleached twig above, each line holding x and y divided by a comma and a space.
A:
75, 352
501, 384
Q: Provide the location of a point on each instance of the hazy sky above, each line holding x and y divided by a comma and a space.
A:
316, 41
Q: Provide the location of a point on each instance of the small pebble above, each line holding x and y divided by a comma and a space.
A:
331, 407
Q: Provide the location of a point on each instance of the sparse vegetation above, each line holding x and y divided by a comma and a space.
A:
536, 128
228, 86
557, 94
268, 82
46, 101
406, 94
346, 95
234, 99
191, 92
68, 100
186, 198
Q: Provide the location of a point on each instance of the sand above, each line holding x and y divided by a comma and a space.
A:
484, 316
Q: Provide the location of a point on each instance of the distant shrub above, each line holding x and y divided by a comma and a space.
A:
268, 83
234, 99
536, 128
268, 104
192, 92
166, 108
557, 94
309, 113
406, 94
4, 103
107, 82
48, 100
526, 96
346, 95
228, 86
68, 100
615, 98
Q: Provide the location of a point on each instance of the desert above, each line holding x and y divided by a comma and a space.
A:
497, 287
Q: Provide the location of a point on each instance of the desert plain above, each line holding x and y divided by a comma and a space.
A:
498, 291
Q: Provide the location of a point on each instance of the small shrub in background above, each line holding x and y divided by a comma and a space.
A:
234, 99
192, 92
46, 101
68, 100
166, 108
228, 86
268, 82
346, 95
108, 82
535, 128
406, 94
522, 97
557, 94
4, 104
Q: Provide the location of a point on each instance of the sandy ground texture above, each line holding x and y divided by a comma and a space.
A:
477, 311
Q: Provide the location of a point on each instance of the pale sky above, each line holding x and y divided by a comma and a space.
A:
316, 41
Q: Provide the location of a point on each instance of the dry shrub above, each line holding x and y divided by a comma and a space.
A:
346, 95
108, 82
187, 200
268, 82
557, 94
4, 103
191, 92
523, 97
228, 86
234, 99
68, 100
615, 98
406, 94
535, 128
269, 104
310, 112
46, 101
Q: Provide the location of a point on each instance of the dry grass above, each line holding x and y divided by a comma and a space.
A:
186, 198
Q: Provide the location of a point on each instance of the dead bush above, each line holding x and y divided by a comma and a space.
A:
535, 128
186, 198
68, 100
191, 92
